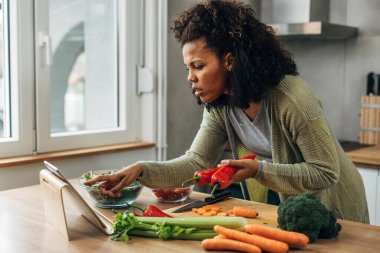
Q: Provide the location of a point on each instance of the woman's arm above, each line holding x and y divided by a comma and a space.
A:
204, 152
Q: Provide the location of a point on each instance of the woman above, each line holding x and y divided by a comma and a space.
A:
256, 102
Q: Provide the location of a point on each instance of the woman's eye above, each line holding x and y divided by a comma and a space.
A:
198, 67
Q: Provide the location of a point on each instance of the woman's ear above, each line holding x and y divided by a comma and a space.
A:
228, 61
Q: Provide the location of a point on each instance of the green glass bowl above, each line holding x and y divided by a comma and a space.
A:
128, 194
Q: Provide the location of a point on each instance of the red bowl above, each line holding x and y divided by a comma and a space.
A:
172, 195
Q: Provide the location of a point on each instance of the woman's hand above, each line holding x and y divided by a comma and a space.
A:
111, 185
245, 168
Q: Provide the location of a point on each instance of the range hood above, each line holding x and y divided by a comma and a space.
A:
299, 19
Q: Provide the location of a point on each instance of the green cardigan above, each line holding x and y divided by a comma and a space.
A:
307, 157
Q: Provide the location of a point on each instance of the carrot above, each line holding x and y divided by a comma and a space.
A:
228, 244
245, 212
294, 239
261, 242
216, 208
218, 236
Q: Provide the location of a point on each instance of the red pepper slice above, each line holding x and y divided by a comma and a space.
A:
222, 176
152, 211
201, 177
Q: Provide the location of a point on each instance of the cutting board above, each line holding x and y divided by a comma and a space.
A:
267, 213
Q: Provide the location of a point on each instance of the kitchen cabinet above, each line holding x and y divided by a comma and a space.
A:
367, 160
371, 180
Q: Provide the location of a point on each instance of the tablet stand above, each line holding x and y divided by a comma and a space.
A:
52, 193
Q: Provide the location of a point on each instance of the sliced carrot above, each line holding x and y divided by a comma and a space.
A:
222, 214
228, 244
216, 208
261, 242
245, 212
294, 239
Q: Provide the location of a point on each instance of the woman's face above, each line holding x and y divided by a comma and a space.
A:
207, 74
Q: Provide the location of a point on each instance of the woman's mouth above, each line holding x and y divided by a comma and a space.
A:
197, 92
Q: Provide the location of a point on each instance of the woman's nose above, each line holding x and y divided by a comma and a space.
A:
191, 77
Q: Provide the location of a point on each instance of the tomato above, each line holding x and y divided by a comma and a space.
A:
172, 194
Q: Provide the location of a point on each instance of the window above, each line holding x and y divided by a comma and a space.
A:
73, 82
16, 101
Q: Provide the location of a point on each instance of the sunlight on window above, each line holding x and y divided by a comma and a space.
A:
74, 97
84, 73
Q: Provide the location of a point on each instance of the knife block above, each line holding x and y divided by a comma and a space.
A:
370, 120
53, 192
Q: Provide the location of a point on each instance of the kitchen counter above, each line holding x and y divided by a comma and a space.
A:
23, 228
367, 156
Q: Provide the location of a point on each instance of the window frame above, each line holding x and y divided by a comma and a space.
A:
129, 107
30, 94
21, 78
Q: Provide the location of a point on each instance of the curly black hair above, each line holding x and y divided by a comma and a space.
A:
259, 61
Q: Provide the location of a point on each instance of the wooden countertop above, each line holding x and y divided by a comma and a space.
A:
368, 156
23, 228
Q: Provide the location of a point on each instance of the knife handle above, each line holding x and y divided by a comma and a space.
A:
218, 197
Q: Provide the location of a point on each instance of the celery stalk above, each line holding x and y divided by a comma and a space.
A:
199, 222
190, 228
196, 235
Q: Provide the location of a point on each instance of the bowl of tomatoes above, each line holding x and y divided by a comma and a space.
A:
172, 195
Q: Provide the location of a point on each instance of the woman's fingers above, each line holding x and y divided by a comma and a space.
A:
246, 168
117, 188
97, 179
111, 185
235, 163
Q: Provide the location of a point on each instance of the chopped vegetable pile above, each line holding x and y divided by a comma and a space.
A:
306, 214
212, 210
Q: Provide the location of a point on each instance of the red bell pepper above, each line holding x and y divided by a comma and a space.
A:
201, 177
152, 211
222, 176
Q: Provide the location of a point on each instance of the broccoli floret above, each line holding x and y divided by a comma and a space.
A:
332, 229
304, 213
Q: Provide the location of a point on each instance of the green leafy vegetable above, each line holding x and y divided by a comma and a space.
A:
192, 228
306, 214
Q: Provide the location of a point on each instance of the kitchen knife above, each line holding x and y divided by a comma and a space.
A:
206, 201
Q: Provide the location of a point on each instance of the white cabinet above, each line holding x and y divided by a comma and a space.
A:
371, 180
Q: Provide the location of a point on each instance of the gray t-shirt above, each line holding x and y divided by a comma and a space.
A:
256, 134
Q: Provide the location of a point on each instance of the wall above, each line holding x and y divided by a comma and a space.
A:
184, 114
335, 69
